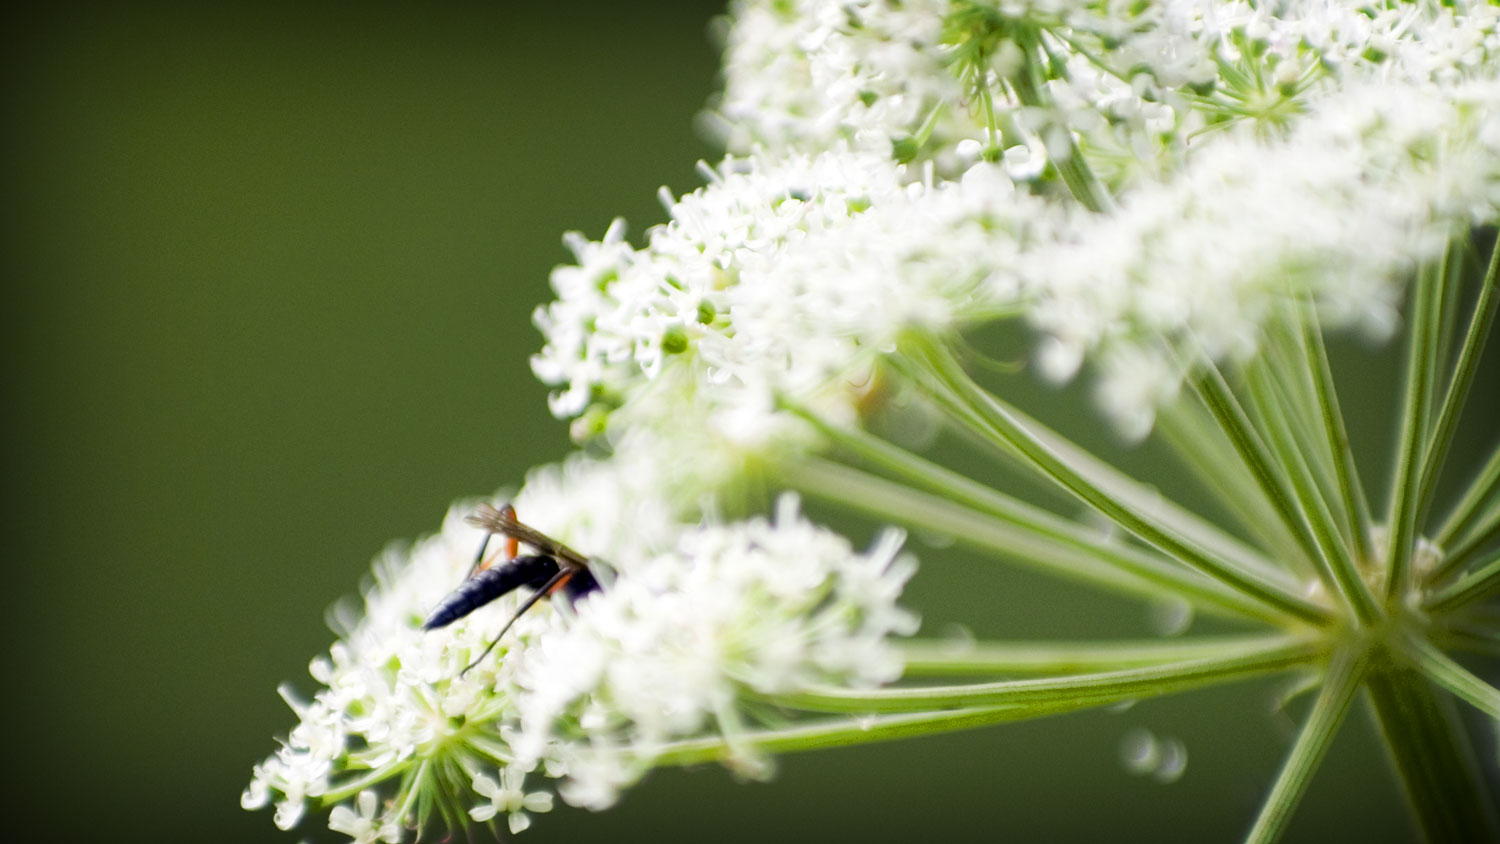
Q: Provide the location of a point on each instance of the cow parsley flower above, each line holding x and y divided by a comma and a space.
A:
1179, 199
669, 650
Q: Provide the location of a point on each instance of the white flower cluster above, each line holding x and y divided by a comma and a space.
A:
622, 314
393, 697
782, 279
665, 651
1133, 82
1375, 179
1365, 140
812, 74
672, 646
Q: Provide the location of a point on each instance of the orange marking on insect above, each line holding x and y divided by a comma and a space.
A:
562, 580
508, 550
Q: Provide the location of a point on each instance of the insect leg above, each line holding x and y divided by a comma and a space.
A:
541, 592
479, 556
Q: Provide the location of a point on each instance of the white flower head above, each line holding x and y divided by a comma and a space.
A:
669, 650
689, 620
1338, 211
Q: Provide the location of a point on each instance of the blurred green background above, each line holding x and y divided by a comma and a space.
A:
271, 276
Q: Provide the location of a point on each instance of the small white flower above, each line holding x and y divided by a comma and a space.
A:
510, 797
363, 824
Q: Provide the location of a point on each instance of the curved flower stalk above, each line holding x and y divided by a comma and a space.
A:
1181, 199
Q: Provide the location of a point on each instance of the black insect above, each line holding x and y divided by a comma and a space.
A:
555, 567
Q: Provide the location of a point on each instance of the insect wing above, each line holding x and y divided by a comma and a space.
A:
497, 521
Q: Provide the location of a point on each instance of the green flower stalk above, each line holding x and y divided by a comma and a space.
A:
1182, 201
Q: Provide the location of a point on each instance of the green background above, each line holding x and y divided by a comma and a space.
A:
271, 274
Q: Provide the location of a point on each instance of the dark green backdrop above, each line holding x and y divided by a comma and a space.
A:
270, 282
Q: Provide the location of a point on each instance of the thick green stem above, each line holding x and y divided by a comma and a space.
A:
1116, 498
1047, 695
1328, 711
1433, 758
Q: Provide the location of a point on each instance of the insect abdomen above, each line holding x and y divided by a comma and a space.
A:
489, 584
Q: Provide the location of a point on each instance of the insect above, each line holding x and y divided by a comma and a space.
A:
554, 567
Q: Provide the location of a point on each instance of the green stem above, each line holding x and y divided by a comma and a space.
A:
1281, 372
1482, 582
936, 658
970, 404
1016, 532
1480, 639
1053, 541
1328, 711
1147, 517
1030, 91
414, 795
1356, 507
1460, 681
1466, 550
1269, 473
1477, 499
1207, 452
841, 732
1433, 758
1043, 696
373, 777
1415, 418
1459, 385
1331, 555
